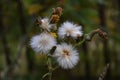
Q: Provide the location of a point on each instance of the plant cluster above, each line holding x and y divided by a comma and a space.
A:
60, 44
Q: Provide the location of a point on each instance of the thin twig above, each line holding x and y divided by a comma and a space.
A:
50, 68
102, 75
45, 75
80, 42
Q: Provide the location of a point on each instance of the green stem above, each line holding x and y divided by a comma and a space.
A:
80, 43
50, 68
45, 75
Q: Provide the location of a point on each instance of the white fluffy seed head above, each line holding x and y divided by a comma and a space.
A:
42, 43
67, 57
70, 29
45, 24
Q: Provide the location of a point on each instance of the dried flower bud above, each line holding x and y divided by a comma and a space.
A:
57, 11
102, 34
98, 31
54, 18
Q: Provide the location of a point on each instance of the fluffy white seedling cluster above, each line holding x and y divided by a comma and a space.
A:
66, 56
42, 43
70, 29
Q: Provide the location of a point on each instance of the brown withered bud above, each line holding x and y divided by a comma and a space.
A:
38, 21
54, 18
57, 11
102, 34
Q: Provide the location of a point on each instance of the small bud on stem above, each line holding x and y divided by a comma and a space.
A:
98, 31
55, 17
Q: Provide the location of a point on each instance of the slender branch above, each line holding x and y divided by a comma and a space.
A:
45, 75
103, 74
89, 36
100, 32
80, 43
50, 68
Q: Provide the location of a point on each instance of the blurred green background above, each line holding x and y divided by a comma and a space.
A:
17, 25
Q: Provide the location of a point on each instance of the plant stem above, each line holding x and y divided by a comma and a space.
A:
50, 68
80, 43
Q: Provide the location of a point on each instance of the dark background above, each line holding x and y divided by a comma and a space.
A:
17, 25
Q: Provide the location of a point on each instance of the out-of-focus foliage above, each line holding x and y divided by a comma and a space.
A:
83, 12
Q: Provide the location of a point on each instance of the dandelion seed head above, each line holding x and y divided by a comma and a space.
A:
70, 29
67, 57
42, 43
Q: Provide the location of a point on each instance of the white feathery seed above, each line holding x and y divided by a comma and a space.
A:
42, 43
67, 57
70, 29
45, 24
